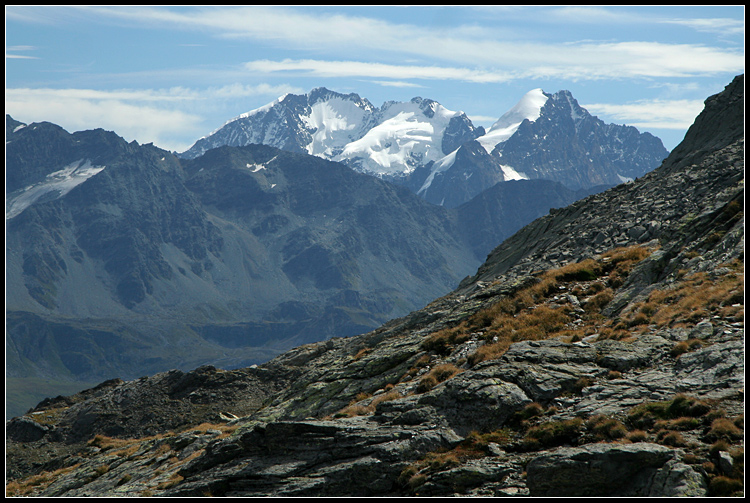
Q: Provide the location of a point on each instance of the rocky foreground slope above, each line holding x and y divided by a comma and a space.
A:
597, 352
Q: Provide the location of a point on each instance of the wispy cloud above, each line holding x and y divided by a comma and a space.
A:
576, 61
620, 15
131, 121
589, 15
723, 26
395, 83
485, 54
18, 56
650, 114
321, 68
19, 48
145, 115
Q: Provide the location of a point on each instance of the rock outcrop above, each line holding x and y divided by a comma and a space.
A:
598, 352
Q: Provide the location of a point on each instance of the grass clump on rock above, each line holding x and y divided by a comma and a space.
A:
553, 433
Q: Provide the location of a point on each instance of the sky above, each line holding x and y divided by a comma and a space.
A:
170, 75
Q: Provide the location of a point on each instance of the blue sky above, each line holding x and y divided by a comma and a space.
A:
170, 75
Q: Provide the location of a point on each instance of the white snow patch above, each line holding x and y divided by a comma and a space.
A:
254, 168
54, 186
404, 138
511, 174
441, 165
264, 108
529, 107
19, 127
573, 112
336, 122
624, 179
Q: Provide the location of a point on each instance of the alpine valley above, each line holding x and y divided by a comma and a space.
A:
125, 259
596, 352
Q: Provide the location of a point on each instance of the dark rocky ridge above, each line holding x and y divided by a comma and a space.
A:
300, 443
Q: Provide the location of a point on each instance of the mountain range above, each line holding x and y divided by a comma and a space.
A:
597, 352
439, 154
115, 250
272, 232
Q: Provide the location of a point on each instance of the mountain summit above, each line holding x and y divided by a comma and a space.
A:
387, 141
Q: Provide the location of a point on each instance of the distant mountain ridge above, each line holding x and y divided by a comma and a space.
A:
439, 154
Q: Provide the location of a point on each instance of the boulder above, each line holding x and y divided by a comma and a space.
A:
25, 429
613, 470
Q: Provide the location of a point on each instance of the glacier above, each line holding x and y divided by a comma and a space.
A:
54, 186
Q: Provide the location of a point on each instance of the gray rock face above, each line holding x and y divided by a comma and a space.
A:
568, 145
612, 470
471, 401
322, 458
24, 429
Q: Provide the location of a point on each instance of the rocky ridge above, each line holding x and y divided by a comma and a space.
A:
598, 352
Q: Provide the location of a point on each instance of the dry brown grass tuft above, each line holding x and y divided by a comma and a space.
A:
105, 443
606, 428
724, 429
437, 375
699, 296
40, 481
384, 397
526, 315
362, 352
173, 481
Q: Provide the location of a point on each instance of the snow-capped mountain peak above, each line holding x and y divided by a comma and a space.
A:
406, 135
388, 141
529, 107
430, 148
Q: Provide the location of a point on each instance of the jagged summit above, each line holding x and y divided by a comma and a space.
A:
598, 352
718, 131
528, 108
544, 136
